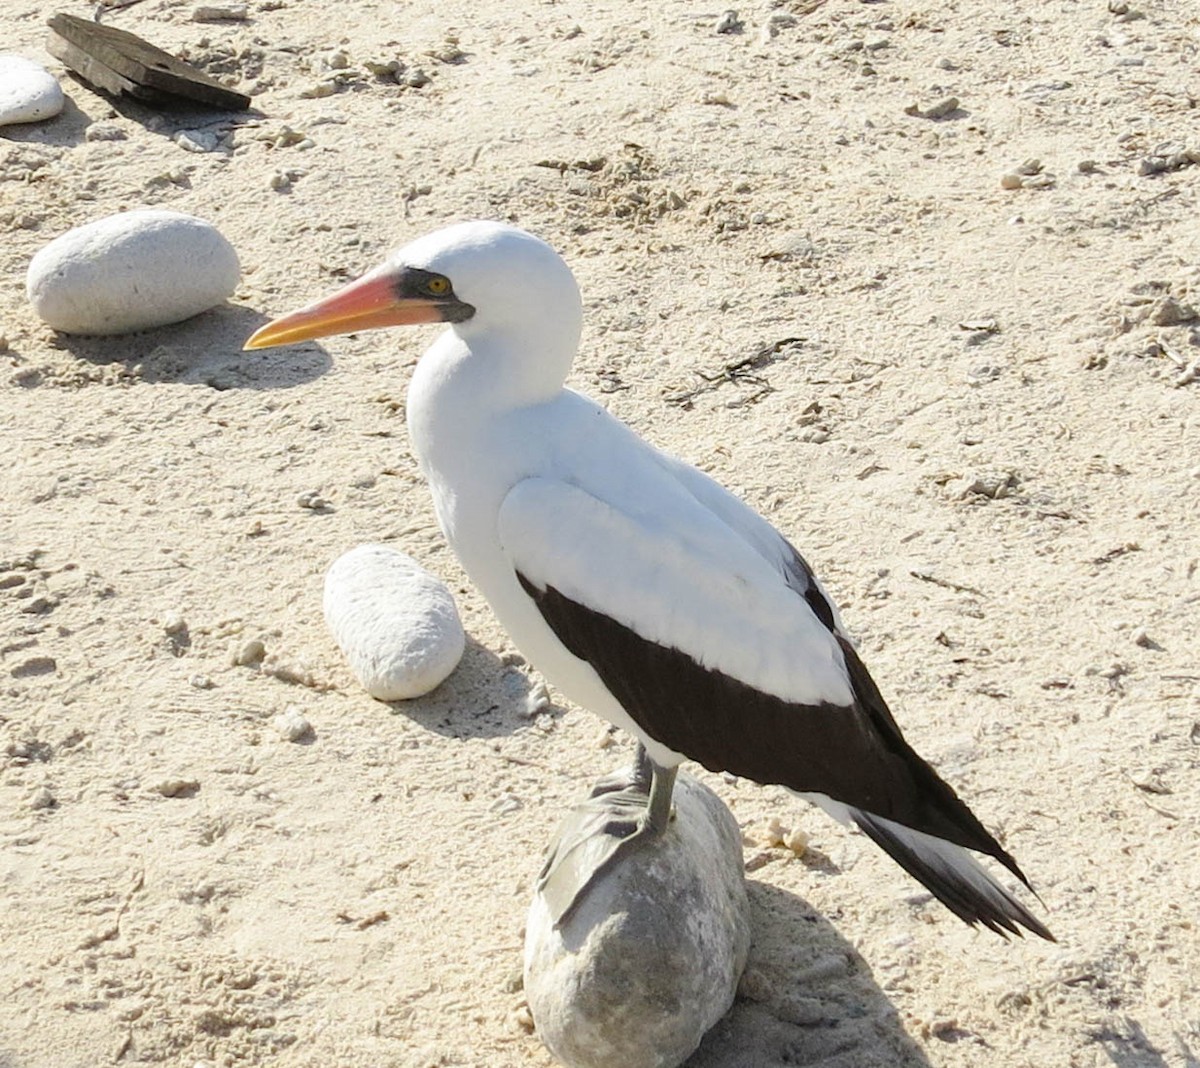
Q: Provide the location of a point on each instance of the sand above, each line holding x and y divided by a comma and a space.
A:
948, 347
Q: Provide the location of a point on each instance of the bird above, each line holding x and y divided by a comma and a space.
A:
640, 588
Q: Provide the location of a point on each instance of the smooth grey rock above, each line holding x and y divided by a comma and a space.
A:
28, 92
395, 622
131, 271
650, 958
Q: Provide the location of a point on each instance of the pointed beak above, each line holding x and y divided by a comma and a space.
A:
372, 301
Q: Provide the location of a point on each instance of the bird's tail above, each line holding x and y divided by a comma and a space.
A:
947, 871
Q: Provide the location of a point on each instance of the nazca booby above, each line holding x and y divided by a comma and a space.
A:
638, 586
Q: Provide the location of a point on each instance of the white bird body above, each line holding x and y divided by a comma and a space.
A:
565, 494
637, 585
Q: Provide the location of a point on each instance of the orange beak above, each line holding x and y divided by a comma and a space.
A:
370, 302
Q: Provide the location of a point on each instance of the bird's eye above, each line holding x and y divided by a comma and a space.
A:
437, 286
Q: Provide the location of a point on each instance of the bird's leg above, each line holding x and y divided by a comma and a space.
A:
658, 807
625, 811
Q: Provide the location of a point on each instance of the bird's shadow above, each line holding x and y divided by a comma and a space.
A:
1128, 1046
205, 350
807, 997
483, 698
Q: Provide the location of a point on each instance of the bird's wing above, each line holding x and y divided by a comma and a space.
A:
719, 653
770, 544
676, 577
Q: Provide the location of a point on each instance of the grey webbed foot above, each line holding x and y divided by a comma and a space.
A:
625, 811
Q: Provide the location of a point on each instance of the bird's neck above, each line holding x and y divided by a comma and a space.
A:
462, 387
462, 405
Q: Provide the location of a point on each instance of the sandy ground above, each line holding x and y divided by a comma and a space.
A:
967, 404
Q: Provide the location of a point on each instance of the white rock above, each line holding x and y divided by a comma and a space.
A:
291, 724
395, 622
28, 92
651, 957
131, 271
42, 798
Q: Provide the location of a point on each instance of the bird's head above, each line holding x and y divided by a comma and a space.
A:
487, 280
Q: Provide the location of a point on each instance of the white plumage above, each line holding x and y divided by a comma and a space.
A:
638, 586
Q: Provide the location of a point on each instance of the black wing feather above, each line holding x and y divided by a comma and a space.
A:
855, 754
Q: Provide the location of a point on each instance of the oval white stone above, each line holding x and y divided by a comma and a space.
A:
131, 271
395, 622
28, 92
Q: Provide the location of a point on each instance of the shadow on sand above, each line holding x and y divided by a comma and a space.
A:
69, 127
205, 350
1128, 1046
472, 703
807, 998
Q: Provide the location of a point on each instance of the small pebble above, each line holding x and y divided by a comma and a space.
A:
992, 485
773, 833
41, 798
198, 141
292, 725
250, 653
313, 501
447, 52
797, 841
176, 787
296, 672
221, 13
105, 131
173, 623
1172, 312
282, 181
386, 70
395, 622
774, 24
201, 682
942, 108
286, 137
319, 90
131, 271
28, 92
729, 22
938, 111
536, 700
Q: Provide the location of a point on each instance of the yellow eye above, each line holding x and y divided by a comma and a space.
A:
438, 286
